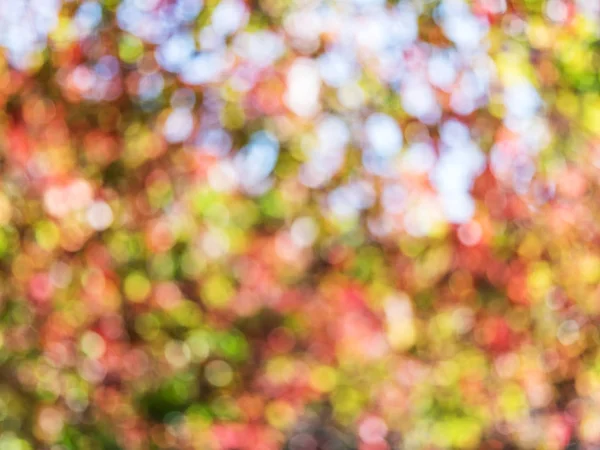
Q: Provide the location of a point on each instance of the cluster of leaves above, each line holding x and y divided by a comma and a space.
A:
301, 225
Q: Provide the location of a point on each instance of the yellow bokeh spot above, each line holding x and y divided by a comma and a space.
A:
5, 210
539, 34
584, 26
280, 414
131, 48
217, 291
346, 402
539, 279
281, 370
512, 401
137, 287
64, 33
323, 378
232, 117
531, 247
457, 432
590, 428
589, 268
591, 114
402, 334
47, 235
567, 104
513, 67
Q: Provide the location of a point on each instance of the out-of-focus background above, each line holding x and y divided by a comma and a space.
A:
303, 225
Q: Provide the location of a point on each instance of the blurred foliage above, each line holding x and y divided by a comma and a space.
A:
230, 224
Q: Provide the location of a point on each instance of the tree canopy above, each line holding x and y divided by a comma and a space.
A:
303, 225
